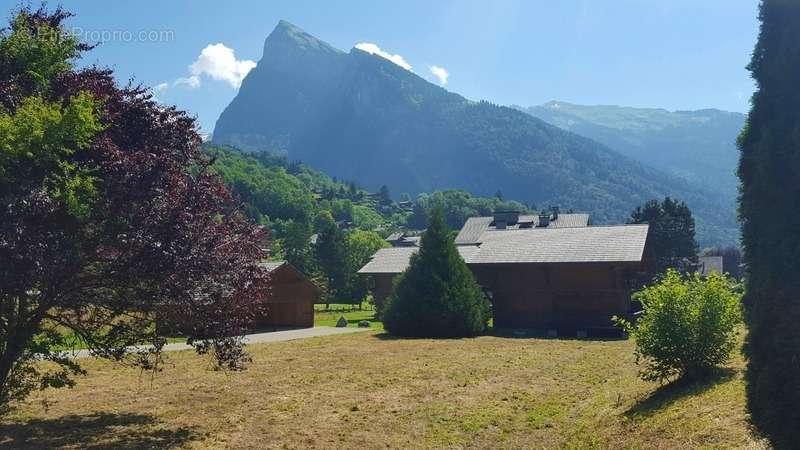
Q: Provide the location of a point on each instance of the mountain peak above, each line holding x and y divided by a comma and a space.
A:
286, 34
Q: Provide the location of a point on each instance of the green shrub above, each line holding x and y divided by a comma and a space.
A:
688, 326
437, 296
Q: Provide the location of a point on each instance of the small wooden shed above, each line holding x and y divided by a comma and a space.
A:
291, 300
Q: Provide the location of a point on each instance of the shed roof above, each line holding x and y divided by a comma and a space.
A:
617, 243
272, 265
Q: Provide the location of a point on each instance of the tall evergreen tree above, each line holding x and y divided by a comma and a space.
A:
769, 210
330, 252
437, 296
671, 236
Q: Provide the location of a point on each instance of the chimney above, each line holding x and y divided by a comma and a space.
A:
503, 219
544, 219
555, 212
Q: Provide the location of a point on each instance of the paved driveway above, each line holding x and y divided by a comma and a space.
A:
257, 338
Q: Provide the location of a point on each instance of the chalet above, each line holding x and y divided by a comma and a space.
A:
540, 272
291, 300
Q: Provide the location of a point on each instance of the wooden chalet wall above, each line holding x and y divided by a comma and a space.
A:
566, 297
382, 288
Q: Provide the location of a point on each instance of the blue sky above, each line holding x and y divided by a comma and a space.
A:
673, 54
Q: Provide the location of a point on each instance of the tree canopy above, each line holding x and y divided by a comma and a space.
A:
671, 237
769, 170
457, 206
437, 296
109, 218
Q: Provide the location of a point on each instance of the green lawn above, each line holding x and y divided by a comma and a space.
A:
327, 317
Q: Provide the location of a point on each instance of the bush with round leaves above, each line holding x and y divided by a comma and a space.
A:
688, 326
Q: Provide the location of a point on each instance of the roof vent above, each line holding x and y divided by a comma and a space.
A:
544, 219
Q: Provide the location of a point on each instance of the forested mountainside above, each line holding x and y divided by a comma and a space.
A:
278, 193
360, 117
699, 146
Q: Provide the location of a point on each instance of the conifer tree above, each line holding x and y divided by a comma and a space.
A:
437, 296
671, 235
769, 210
330, 253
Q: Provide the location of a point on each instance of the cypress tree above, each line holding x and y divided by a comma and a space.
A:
437, 296
769, 210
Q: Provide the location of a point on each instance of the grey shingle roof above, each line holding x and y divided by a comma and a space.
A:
472, 230
394, 237
389, 260
475, 227
396, 259
568, 220
617, 243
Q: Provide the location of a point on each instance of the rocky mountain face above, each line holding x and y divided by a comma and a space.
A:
358, 116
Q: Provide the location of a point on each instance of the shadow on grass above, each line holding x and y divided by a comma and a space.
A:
672, 392
385, 336
525, 333
92, 431
512, 334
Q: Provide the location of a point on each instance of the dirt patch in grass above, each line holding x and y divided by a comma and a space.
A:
365, 391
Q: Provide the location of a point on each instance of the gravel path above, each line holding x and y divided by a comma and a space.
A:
257, 338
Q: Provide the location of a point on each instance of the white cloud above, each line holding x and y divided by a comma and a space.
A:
216, 61
219, 62
440, 73
192, 81
375, 50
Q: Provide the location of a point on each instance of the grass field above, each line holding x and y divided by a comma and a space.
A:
370, 391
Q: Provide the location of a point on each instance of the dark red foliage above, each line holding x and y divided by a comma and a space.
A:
165, 240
